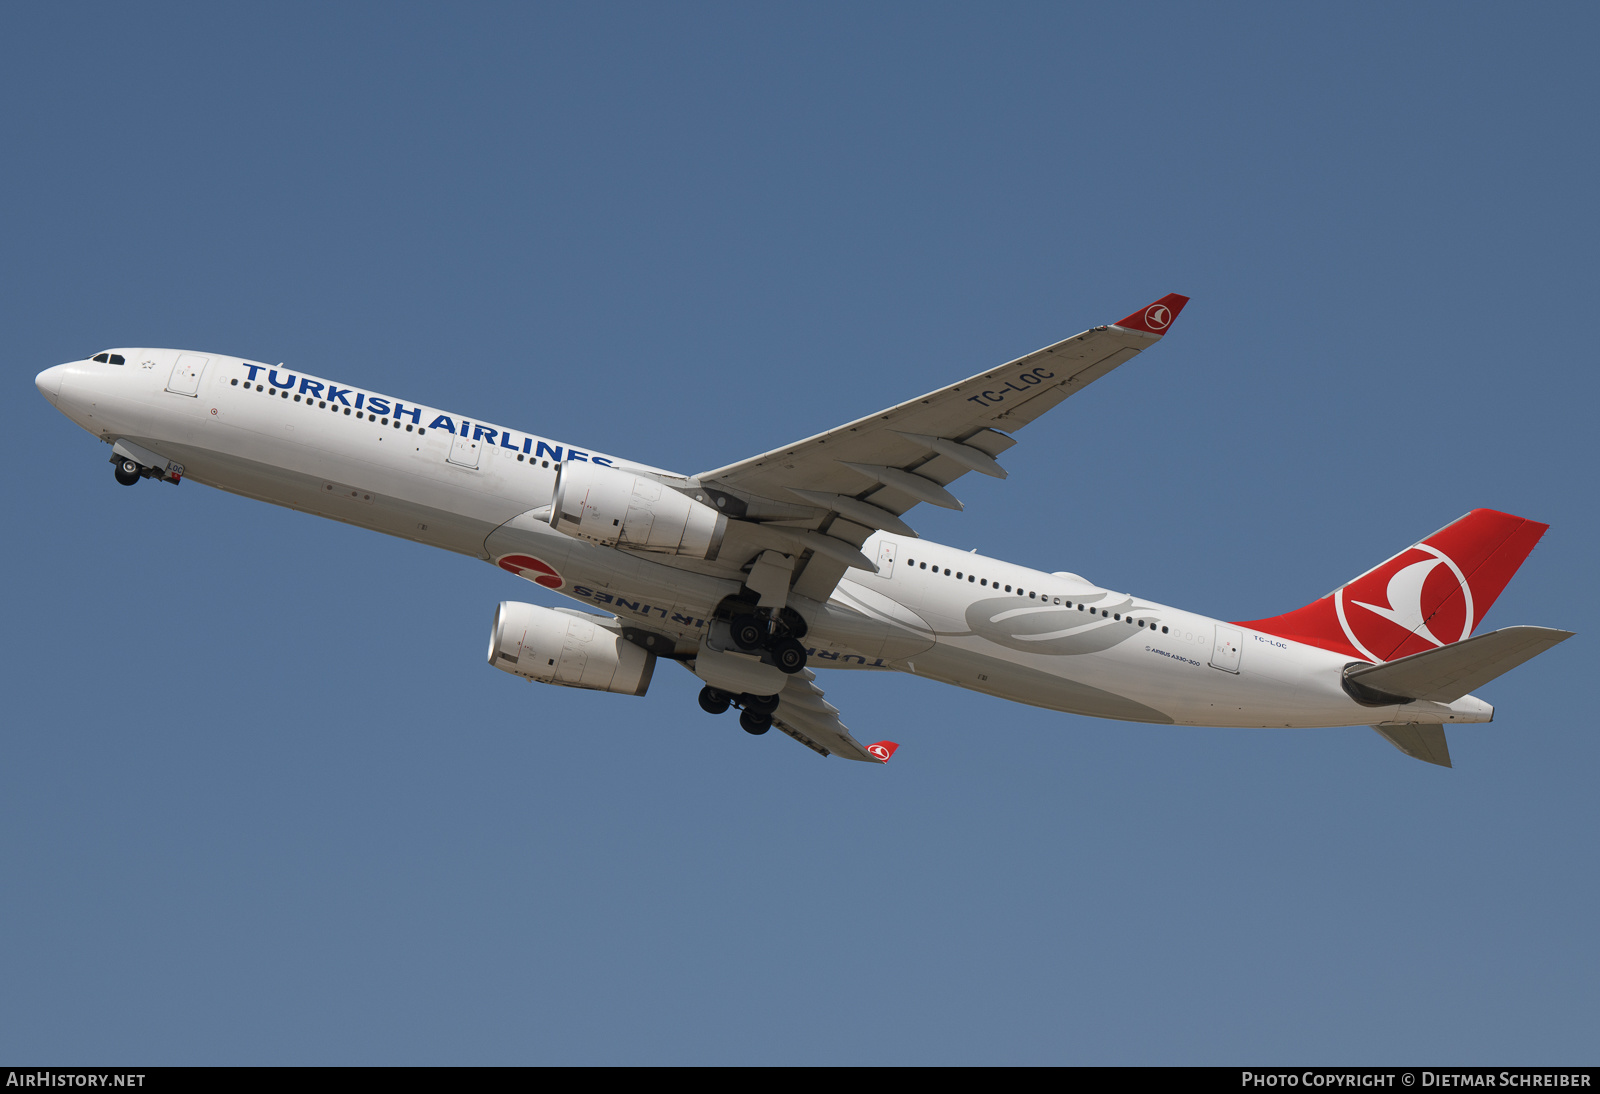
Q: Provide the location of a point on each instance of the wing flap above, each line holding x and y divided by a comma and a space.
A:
806, 716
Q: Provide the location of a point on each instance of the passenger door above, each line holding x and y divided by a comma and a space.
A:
1226, 649
185, 379
886, 559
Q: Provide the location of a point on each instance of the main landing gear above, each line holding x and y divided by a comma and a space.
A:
755, 715
778, 636
713, 701
775, 635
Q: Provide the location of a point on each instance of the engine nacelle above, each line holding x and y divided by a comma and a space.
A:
617, 509
556, 648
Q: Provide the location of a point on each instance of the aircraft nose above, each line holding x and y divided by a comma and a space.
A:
49, 382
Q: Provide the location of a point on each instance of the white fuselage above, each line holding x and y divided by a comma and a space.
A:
1049, 640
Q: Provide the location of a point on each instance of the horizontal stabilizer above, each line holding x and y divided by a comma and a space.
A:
1445, 674
1420, 741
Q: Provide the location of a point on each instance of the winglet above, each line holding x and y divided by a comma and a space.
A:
1158, 317
882, 750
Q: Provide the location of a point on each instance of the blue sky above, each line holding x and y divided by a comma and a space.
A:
261, 800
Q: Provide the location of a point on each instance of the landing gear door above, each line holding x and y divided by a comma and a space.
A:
464, 453
886, 559
186, 374
1226, 649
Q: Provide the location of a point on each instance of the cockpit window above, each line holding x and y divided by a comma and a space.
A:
118, 359
112, 358
102, 357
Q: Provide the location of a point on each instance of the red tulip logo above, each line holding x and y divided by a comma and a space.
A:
535, 570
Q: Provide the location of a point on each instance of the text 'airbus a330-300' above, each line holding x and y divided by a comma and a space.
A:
754, 574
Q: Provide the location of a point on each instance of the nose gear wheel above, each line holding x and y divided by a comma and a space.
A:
127, 472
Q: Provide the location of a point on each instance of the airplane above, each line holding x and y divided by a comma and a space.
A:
753, 575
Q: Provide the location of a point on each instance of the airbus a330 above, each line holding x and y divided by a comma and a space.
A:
753, 575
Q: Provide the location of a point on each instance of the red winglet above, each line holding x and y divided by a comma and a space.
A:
882, 750
1158, 317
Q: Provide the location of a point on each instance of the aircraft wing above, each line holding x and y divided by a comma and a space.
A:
813, 721
843, 485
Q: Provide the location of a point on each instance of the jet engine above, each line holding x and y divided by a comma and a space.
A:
617, 509
573, 650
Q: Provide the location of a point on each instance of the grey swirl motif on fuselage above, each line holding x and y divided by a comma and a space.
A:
1051, 628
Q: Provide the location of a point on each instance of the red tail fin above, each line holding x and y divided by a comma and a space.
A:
1429, 595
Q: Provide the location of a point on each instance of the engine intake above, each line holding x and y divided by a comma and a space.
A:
569, 650
618, 509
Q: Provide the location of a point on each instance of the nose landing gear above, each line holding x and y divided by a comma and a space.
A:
130, 463
127, 472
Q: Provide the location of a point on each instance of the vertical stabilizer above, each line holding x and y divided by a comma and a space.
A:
1431, 594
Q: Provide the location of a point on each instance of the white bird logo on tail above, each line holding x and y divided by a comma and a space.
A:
1404, 592
1405, 599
